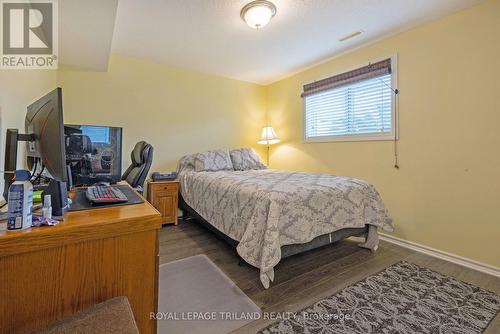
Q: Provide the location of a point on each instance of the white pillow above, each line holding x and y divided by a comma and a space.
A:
212, 161
245, 159
186, 163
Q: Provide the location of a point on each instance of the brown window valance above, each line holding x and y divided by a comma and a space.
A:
359, 74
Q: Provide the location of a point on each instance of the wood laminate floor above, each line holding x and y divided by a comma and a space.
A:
306, 278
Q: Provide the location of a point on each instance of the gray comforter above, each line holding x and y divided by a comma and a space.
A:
267, 209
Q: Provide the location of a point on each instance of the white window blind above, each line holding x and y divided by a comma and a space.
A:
357, 110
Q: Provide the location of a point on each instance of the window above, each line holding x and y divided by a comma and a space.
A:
98, 134
356, 105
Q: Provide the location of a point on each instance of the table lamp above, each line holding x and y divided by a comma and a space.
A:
268, 137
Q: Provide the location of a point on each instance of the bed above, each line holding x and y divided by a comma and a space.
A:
269, 214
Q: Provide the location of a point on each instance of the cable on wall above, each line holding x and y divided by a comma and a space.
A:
396, 127
396, 119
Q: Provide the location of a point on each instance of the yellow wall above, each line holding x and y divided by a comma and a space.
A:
18, 89
446, 194
178, 111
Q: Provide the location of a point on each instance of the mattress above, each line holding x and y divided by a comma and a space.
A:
267, 209
286, 250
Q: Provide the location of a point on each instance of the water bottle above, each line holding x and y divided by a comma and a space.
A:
20, 199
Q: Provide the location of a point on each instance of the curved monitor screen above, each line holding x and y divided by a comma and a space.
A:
44, 121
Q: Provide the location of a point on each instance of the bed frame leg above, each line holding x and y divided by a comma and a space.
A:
372, 241
185, 216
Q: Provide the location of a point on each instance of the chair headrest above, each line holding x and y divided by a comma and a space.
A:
140, 153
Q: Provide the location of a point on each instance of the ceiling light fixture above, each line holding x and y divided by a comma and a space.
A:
258, 13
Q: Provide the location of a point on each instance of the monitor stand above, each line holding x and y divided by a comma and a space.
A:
58, 195
57, 190
12, 138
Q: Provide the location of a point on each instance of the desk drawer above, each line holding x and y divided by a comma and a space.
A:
170, 187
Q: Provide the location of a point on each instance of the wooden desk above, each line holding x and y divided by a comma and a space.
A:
48, 273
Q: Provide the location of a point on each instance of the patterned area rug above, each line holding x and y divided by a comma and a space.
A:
403, 298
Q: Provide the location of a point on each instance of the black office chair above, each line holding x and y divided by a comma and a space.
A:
142, 158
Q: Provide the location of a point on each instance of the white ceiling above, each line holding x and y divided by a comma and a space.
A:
209, 36
86, 32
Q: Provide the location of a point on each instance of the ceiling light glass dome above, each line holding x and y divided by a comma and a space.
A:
257, 14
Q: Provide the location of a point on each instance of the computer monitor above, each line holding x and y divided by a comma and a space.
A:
44, 134
44, 120
94, 153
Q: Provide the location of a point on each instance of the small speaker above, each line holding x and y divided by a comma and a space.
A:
69, 184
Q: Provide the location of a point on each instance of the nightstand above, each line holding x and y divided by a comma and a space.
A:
164, 195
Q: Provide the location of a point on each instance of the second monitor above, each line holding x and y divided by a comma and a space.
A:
94, 153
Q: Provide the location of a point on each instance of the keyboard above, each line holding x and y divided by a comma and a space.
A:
105, 194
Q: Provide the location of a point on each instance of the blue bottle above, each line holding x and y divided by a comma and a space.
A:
20, 201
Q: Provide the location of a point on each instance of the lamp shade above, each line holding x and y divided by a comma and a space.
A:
268, 136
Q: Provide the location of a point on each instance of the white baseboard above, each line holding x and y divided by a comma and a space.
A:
463, 261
